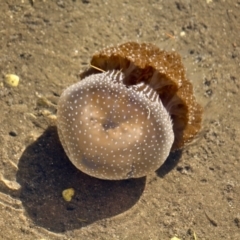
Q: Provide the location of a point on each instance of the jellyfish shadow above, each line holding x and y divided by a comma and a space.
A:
45, 171
170, 163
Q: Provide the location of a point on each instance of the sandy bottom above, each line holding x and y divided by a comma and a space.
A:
194, 195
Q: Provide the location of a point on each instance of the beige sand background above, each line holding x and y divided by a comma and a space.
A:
195, 195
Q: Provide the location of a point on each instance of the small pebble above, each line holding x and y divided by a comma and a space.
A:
67, 194
175, 238
182, 34
12, 80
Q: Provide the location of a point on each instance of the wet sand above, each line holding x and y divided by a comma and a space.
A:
194, 195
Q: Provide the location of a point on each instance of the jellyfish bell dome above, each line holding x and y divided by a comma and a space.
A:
122, 122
